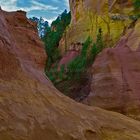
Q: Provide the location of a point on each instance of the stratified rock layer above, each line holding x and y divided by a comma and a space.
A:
112, 16
116, 76
31, 108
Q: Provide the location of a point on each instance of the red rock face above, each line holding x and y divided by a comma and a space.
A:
68, 57
19, 36
31, 108
116, 76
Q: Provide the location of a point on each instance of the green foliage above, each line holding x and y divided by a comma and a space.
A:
50, 74
94, 51
53, 36
78, 66
96, 47
136, 4
136, 14
99, 41
61, 72
85, 47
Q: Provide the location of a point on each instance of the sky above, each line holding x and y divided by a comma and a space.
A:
48, 9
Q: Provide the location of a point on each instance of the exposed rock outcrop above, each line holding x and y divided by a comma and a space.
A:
31, 108
112, 16
116, 76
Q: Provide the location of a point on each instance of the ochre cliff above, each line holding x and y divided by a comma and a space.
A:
31, 108
112, 16
116, 76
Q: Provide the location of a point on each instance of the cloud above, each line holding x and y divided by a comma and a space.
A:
8, 5
11, 5
49, 20
42, 6
49, 10
66, 3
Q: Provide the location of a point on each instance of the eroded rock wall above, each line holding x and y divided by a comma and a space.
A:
116, 76
112, 16
30, 106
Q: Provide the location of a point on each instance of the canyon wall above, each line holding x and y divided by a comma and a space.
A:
115, 72
112, 16
116, 76
30, 106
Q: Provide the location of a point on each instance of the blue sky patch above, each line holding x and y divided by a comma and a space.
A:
48, 9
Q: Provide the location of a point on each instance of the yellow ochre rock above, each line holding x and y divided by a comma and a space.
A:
112, 16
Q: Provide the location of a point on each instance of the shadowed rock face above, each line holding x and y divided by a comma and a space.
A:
31, 108
116, 76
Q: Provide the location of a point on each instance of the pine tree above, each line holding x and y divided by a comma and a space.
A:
99, 41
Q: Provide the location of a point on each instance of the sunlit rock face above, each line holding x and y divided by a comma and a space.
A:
31, 108
116, 76
112, 16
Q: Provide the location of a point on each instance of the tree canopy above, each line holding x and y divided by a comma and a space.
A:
54, 34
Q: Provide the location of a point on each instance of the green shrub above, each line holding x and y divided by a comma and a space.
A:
61, 72
78, 66
53, 36
136, 4
50, 74
99, 41
93, 52
85, 47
